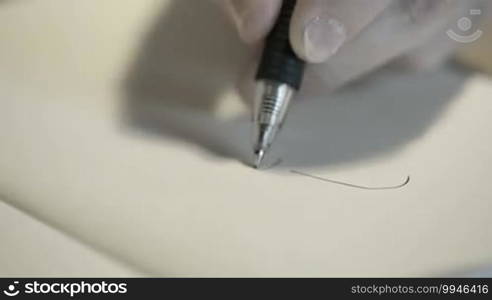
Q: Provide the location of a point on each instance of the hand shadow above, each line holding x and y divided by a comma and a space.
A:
192, 56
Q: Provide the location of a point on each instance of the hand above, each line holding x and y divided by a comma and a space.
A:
346, 39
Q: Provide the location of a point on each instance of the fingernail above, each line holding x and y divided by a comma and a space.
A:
323, 37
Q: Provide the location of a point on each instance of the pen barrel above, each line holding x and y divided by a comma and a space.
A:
279, 63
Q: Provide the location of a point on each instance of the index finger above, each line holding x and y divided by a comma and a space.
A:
321, 27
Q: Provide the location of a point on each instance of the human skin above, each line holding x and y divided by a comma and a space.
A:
347, 39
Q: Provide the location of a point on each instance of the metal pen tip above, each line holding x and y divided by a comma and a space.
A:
259, 155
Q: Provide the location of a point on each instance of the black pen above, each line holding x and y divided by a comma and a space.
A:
279, 77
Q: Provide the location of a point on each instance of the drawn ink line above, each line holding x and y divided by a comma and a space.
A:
273, 165
407, 181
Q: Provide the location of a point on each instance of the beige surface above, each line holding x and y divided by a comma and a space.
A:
171, 196
31, 248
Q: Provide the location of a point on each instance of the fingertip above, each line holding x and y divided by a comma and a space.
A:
320, 28
320, 39
254, 18
315, 35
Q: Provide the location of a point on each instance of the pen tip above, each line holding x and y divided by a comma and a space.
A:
259, 155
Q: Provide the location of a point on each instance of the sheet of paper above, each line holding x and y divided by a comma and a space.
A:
131, 139
32, 248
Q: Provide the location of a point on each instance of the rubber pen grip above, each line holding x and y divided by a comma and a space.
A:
279, 63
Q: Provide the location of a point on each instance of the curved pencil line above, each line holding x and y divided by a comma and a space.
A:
273, 165
407, 181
